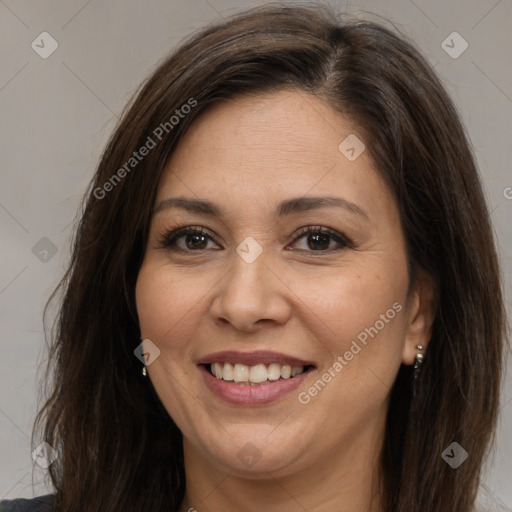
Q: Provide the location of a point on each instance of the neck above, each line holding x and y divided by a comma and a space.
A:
347, 479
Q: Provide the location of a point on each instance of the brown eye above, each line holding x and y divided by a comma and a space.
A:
194, 239
185, 239
319, 239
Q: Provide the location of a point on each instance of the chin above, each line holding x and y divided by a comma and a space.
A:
252, 451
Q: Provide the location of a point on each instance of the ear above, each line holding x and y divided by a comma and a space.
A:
421, 313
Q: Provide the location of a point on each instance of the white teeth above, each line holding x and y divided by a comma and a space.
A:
297, 370
241, 373
226, 373
217, 370
254, 374
274, 371
258, 373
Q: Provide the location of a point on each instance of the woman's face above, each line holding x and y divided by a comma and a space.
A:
261, 297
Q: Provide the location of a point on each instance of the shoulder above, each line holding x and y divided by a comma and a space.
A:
39, 504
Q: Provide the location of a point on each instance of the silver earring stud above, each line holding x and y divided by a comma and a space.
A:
418, 361
144, 372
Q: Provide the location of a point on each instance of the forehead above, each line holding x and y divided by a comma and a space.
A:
271, 147
284, 125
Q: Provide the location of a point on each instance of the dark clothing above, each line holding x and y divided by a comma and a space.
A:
39, 504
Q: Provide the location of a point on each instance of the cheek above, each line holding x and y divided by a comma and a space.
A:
165, 305
351, 302
359, 327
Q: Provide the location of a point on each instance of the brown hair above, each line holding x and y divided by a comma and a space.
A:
118, 448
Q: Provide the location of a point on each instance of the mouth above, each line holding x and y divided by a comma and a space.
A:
256, 375
249, 378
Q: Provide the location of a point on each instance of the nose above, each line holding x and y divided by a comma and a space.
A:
251, 295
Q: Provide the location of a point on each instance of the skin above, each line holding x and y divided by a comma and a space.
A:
246, 156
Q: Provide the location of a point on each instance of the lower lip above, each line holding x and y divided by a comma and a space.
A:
243, 394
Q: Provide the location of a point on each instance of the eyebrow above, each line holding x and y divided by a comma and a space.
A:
285, 208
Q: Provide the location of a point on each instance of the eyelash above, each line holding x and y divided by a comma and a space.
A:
167, 239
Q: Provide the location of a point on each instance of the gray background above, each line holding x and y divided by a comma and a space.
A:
56, 115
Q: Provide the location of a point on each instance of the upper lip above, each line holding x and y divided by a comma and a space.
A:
253, 358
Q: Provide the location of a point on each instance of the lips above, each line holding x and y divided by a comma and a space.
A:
265, 357
253, 378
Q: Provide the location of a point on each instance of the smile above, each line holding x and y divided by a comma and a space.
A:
258, 374
253, 378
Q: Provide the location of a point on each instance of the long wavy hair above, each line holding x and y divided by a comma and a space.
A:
117, 447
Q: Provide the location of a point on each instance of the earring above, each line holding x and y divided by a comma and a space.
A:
418, 361
144, 372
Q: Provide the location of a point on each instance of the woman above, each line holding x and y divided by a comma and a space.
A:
287, 234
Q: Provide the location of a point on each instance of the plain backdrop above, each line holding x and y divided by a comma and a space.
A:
57, 113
